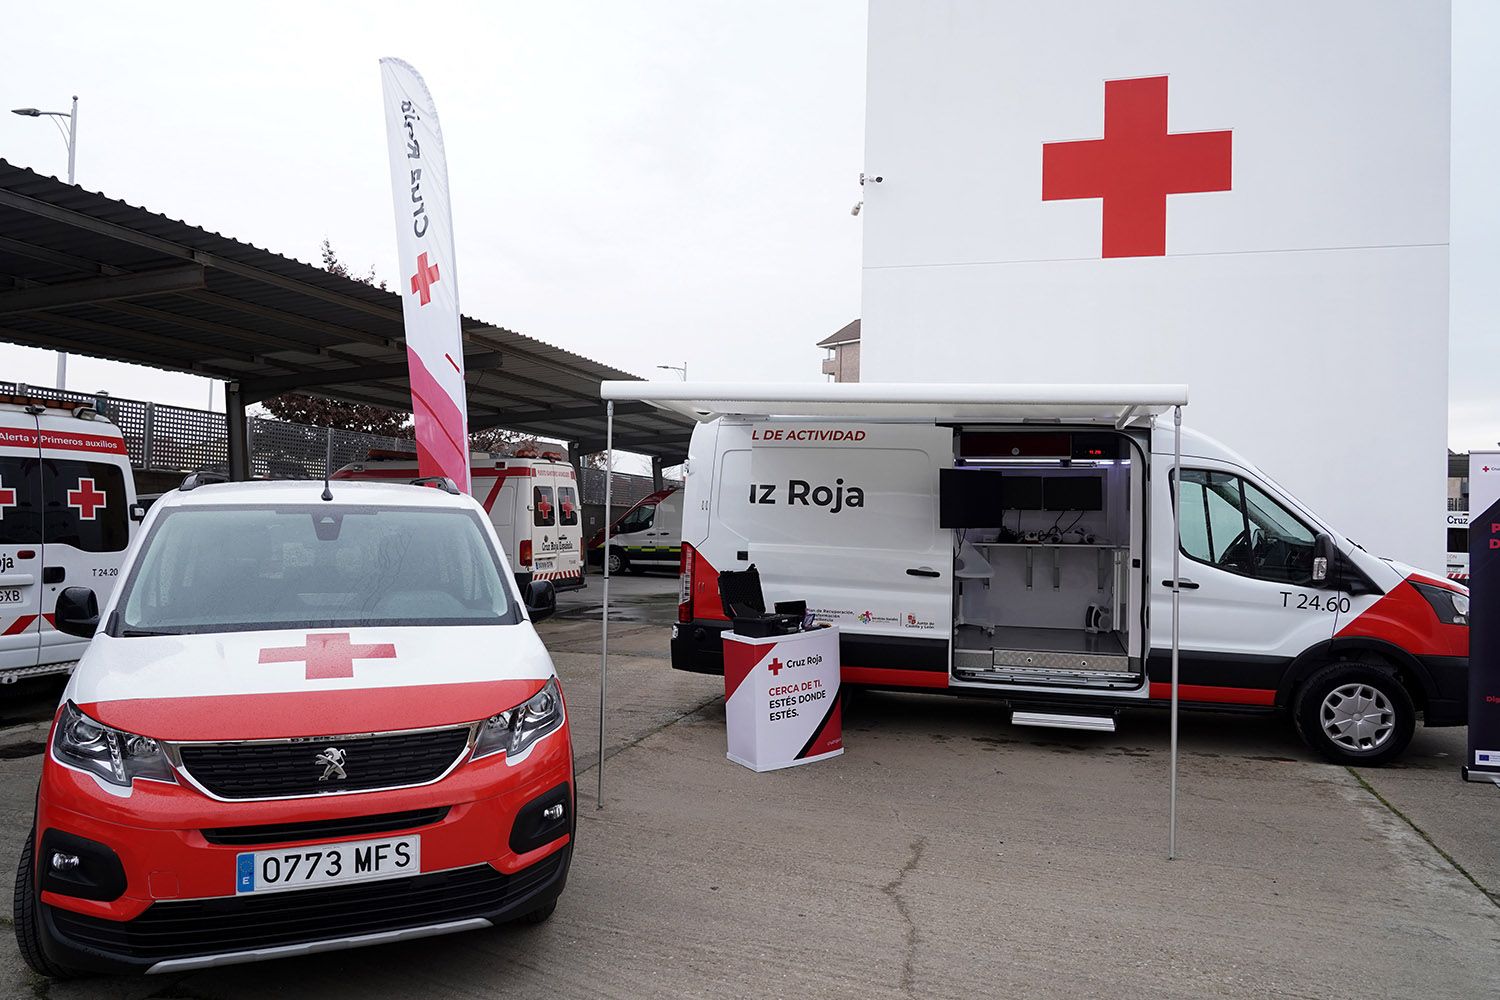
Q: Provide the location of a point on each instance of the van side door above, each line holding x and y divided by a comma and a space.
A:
1249, 605
20, 542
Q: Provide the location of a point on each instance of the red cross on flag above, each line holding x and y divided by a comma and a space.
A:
429, 305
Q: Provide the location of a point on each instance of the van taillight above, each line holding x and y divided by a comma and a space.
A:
525, 552
685, 584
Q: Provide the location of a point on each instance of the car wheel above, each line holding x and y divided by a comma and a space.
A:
1355, 713
537, 916
28, 919
618, 563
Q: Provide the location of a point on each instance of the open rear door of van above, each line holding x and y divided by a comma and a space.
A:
844, 516
20, 541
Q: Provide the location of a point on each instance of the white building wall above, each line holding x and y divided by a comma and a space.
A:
1306, 306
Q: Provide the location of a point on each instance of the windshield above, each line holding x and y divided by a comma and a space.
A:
217, 569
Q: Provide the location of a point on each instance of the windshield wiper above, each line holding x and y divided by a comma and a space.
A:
135, 633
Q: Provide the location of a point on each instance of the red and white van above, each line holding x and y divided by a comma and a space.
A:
1016, 543
67, 513
533, 501
303, 724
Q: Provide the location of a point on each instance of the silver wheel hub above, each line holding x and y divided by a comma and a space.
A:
1357, 717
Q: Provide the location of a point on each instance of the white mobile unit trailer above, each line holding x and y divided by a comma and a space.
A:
1017, 542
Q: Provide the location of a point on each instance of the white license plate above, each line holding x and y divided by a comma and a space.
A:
306, 867
10, 595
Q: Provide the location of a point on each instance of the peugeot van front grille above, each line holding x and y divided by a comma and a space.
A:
273, 769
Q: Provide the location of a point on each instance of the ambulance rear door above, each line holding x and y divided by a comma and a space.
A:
87, 491
845, 516
20, 539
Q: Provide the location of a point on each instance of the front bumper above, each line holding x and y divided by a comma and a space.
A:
178, 908
1448, 696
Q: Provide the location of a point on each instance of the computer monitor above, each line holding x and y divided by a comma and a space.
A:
1064, 493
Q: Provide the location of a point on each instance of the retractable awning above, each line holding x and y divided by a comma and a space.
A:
1117, 405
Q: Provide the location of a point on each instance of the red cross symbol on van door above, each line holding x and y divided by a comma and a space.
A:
86, 499
1135, 166
328, 655
7, 499
424, 279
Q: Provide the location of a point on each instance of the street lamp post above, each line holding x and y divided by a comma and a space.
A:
71, 138
679, 369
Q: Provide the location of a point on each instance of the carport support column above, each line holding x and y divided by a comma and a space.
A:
656, 480
609, 481
239, 442
1176, 601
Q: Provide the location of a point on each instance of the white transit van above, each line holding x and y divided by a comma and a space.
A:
648, 535
67, 514
1017, 542
531, 497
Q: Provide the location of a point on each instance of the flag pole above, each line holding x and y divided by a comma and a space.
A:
1176, 600
609, 479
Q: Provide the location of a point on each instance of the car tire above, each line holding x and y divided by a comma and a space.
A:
535, 917
618, 563
1357, 713
28, 922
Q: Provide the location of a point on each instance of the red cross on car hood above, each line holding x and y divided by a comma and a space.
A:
307, 682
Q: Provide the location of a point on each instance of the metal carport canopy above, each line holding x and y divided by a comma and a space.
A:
1117, 405
89, 275
1105, 404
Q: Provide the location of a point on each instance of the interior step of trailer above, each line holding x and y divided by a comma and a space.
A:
1049, 676
1059, 720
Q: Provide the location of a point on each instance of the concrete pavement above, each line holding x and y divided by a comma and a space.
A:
945, 854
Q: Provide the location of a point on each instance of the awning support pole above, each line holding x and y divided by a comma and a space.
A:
1176, 600
609, 480
238, 439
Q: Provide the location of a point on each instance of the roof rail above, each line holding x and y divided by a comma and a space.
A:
193, 480
439, 482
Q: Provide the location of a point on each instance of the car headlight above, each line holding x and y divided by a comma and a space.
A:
515, 730
114, 755
1452, 607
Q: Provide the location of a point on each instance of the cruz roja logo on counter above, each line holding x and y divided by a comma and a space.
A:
801, 492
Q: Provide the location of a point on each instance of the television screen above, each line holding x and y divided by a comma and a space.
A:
1021, 492
1064, 493
968, 498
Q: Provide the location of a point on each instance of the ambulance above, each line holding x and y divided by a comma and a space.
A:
67, 513
309, 719
648, 535
1016, 542
532, 499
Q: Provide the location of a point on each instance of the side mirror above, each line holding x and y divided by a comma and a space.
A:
77, 612
541, 600
1323, 557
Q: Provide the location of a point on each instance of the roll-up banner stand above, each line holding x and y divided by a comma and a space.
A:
1483, 763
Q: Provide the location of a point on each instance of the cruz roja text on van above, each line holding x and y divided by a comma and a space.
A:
800, 491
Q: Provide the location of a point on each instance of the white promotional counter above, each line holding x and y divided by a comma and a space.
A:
781, 698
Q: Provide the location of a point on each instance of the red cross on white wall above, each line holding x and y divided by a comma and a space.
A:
1135, 166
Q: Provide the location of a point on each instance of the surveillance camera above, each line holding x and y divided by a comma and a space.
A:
857, 206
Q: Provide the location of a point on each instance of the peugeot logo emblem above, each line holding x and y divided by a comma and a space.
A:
332, 759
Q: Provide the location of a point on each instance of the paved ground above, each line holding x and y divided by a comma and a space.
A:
945, 854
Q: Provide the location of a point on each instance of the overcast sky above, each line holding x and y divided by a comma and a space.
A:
643, 183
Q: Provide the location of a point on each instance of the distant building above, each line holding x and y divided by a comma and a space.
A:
843, 353
1458, 480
